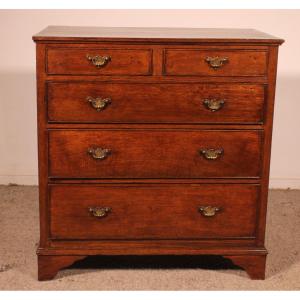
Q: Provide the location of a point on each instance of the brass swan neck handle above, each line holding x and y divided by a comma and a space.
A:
208, 211
211, 154
99, 153
100, 212
98, 103
216, 62
98, 61
213, 104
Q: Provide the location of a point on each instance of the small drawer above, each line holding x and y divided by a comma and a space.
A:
98, 61
193, 62
191, 103
155, 153
158, 211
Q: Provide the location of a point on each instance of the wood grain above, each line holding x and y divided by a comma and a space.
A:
155, 177
149, 212
154, 154
254, 265
192, 62
155, 103
156, 34
49, 265
123, 61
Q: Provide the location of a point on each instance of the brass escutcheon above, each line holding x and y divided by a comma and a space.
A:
211, 154
98, 103
216, 62
208, 211
98, 60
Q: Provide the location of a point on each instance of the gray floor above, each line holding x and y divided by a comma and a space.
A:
19, 237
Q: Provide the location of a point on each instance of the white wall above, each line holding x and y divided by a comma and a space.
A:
18, 142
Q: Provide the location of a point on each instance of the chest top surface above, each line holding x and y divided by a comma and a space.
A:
143, 34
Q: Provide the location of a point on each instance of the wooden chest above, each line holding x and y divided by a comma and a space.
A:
154, 142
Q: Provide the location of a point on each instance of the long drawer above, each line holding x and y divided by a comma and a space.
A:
158, 211
100, 102
160, 153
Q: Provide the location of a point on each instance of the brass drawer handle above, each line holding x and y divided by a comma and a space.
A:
211, 154
99, 153
98, 60
216, 62
99, 212
208, 211
98, 103
213, 104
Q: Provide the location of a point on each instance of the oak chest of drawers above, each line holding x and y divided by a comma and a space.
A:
154, 142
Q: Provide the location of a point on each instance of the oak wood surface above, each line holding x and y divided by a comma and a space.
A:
143, 212
158, 143
49, 265
154, 154
154, 103
192, 62
122, 61
151, 247
159, 34
254, 265
146, 126
42, 145
269, 112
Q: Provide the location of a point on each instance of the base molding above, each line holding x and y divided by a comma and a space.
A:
51, 260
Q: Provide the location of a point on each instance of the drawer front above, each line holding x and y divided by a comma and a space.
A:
92, 61
159, 211
154, 153
215, 62
98, 102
